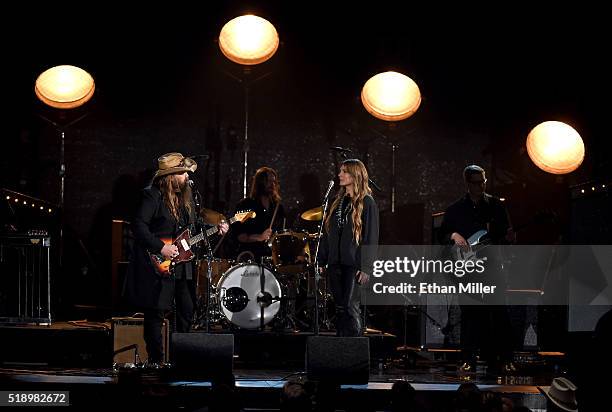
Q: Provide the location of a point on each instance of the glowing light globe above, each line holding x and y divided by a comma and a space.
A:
248, 40
555, 147
391, 96
64, 87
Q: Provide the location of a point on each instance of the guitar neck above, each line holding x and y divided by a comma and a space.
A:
209, 232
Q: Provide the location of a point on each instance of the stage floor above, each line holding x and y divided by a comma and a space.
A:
66, 356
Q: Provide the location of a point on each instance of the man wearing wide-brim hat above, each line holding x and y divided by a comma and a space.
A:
166, 208
173, 163
560, 395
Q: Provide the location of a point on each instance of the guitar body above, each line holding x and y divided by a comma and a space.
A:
164, 266
184, 241
477, 241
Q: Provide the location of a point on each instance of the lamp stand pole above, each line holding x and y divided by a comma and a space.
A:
245, 147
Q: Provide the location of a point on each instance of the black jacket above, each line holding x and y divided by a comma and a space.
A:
339, 247
152, 221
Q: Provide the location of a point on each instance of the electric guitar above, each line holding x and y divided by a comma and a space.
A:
480, 239
476, 243
184, 241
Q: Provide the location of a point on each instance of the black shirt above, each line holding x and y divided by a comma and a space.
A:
258, 224
466, 218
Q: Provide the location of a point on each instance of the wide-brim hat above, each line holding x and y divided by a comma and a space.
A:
562, 392
171, 163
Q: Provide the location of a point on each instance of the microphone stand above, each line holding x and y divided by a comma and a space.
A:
316, 261
209, 259
197, 199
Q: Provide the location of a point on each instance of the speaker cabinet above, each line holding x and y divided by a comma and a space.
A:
130, 331
203, 355
338, 359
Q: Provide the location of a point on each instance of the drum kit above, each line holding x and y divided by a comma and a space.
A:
277, 292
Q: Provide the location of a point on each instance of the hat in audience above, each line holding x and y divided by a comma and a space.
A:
561, 392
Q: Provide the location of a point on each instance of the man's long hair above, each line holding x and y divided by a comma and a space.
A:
259, 181
361, 189
174, 196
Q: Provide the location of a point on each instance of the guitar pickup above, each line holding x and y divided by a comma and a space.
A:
185, 244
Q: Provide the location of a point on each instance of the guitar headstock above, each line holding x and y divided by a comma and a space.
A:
244, 216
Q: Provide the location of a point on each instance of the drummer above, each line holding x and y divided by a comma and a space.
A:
264, 199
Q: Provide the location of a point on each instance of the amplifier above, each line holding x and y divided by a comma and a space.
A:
129, 331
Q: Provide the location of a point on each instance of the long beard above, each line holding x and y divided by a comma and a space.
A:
182, 190
180, 187
185, 191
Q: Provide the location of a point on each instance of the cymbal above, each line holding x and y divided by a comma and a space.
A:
211, 217
313, 214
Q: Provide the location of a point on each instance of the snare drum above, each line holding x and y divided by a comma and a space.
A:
290, 252
241, 296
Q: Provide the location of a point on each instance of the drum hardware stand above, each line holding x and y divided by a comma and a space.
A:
209, 258
262, 281
317, 275
289, 317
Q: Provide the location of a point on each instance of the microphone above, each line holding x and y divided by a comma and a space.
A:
200, 156
340, 149
329, 188
373, 183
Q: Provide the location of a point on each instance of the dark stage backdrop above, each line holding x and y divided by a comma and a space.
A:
163, 85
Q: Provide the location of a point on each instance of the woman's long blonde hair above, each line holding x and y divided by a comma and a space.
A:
361, 189
175, 196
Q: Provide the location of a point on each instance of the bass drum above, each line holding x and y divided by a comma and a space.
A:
241, 297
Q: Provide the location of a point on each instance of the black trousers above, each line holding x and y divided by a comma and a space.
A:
486, 331
183, 293
347, 296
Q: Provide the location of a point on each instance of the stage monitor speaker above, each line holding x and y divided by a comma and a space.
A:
338, 359
203, 355
129, 331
